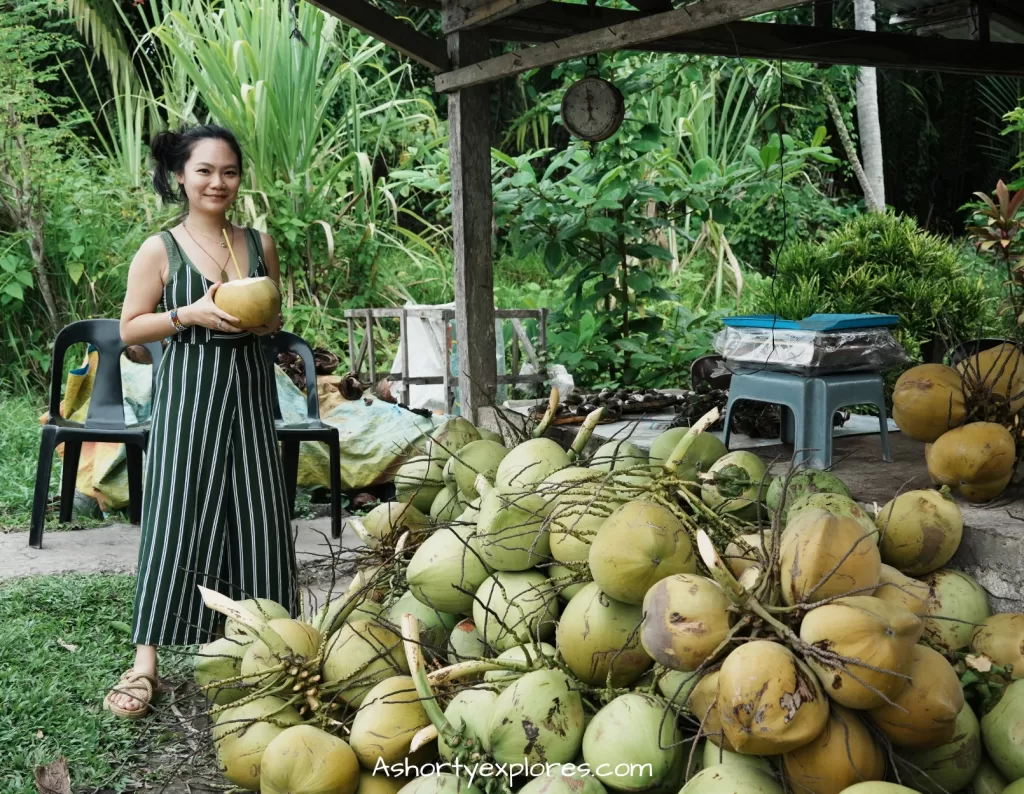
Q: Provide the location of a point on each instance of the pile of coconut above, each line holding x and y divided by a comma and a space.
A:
678, 621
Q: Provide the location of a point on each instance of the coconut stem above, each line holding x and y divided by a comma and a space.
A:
483, 485
719, 571
471, 668
418, 671
549, 414
231, 251
673, 460
584, 435
257, 624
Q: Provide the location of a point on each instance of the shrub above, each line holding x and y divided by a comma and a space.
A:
883, 263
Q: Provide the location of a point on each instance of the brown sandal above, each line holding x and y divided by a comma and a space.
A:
139, 686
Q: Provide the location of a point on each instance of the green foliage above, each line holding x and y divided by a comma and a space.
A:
883, 263
53, 695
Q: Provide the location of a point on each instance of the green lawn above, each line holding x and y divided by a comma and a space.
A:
51, 696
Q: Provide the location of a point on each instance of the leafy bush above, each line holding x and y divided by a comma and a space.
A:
884, 264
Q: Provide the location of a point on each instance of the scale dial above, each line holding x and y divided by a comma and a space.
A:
593, 109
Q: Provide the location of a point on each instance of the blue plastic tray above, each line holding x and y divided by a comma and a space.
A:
816, 322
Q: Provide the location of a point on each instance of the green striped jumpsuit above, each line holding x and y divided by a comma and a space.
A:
214, 510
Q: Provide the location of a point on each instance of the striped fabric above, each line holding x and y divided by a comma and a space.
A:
214, 509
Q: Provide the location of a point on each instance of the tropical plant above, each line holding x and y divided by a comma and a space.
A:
996, 231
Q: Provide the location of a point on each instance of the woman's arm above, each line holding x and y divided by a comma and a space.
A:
146, 278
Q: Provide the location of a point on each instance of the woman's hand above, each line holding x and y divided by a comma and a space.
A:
204, 312
270, 328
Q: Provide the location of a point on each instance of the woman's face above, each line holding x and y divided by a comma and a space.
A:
211, 177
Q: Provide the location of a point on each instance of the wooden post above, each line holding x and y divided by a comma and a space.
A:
469, 122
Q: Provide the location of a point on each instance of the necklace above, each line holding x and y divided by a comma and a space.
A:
221, 267
220, 242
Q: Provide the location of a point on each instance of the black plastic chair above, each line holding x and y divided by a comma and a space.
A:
104, 422
311, 429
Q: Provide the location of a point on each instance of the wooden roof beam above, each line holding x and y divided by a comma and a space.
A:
469, 14
634, 34
423, 49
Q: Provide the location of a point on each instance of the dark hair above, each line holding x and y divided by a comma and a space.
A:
171, 151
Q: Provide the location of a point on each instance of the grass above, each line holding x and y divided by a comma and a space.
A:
53, 696
19, 453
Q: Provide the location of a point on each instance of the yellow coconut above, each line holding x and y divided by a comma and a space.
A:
387, 522
597, 636
824, 555
897, 588
686, 617
998, 371
769, 701
260, 664
242, 733
950, 766
878, 635
579, 503
263, 608
747, 551
639, 544
359, 656
843, 754
921, 531
1001, 638
975, 460
387, 721
927, 401
254, 301
923, 714
957, 605
702, 703
513, 607
384, 783
305, 759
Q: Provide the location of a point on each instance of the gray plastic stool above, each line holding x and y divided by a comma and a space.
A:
809, 405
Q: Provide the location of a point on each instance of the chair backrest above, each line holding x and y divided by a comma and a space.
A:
286, 342
974, 347
106, 402
702, 371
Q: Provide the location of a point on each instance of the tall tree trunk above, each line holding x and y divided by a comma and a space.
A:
867, 114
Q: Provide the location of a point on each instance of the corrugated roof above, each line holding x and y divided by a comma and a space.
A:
955, 19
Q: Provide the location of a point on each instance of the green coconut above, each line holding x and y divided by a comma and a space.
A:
388, 719
259, 607
387, 522
801, 484
477, 457
618, 456
451, 436
712, 755
513, 607
446, 570
987, 780
217, 661
538, 718
242, 733
566, 581
260, 665
563, 779
465, 642
326, 617
469, 713
686, 617
511, 531
675, 686
359, 656
435, 625
439, 783
951, 766
1002, 729
523, 654
447, 505
305, 759
639, 544
921, 531
702, 454
1017, 787
419, 480
490, 435
597, 636
383, 783
878, 787
578, 503
633, 742
740, 486
732, 779
837, 505
448, 475
530, 462
956, 595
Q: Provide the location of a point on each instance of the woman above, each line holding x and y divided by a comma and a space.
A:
214, 508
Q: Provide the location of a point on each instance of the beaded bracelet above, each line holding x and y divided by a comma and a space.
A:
178, 326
